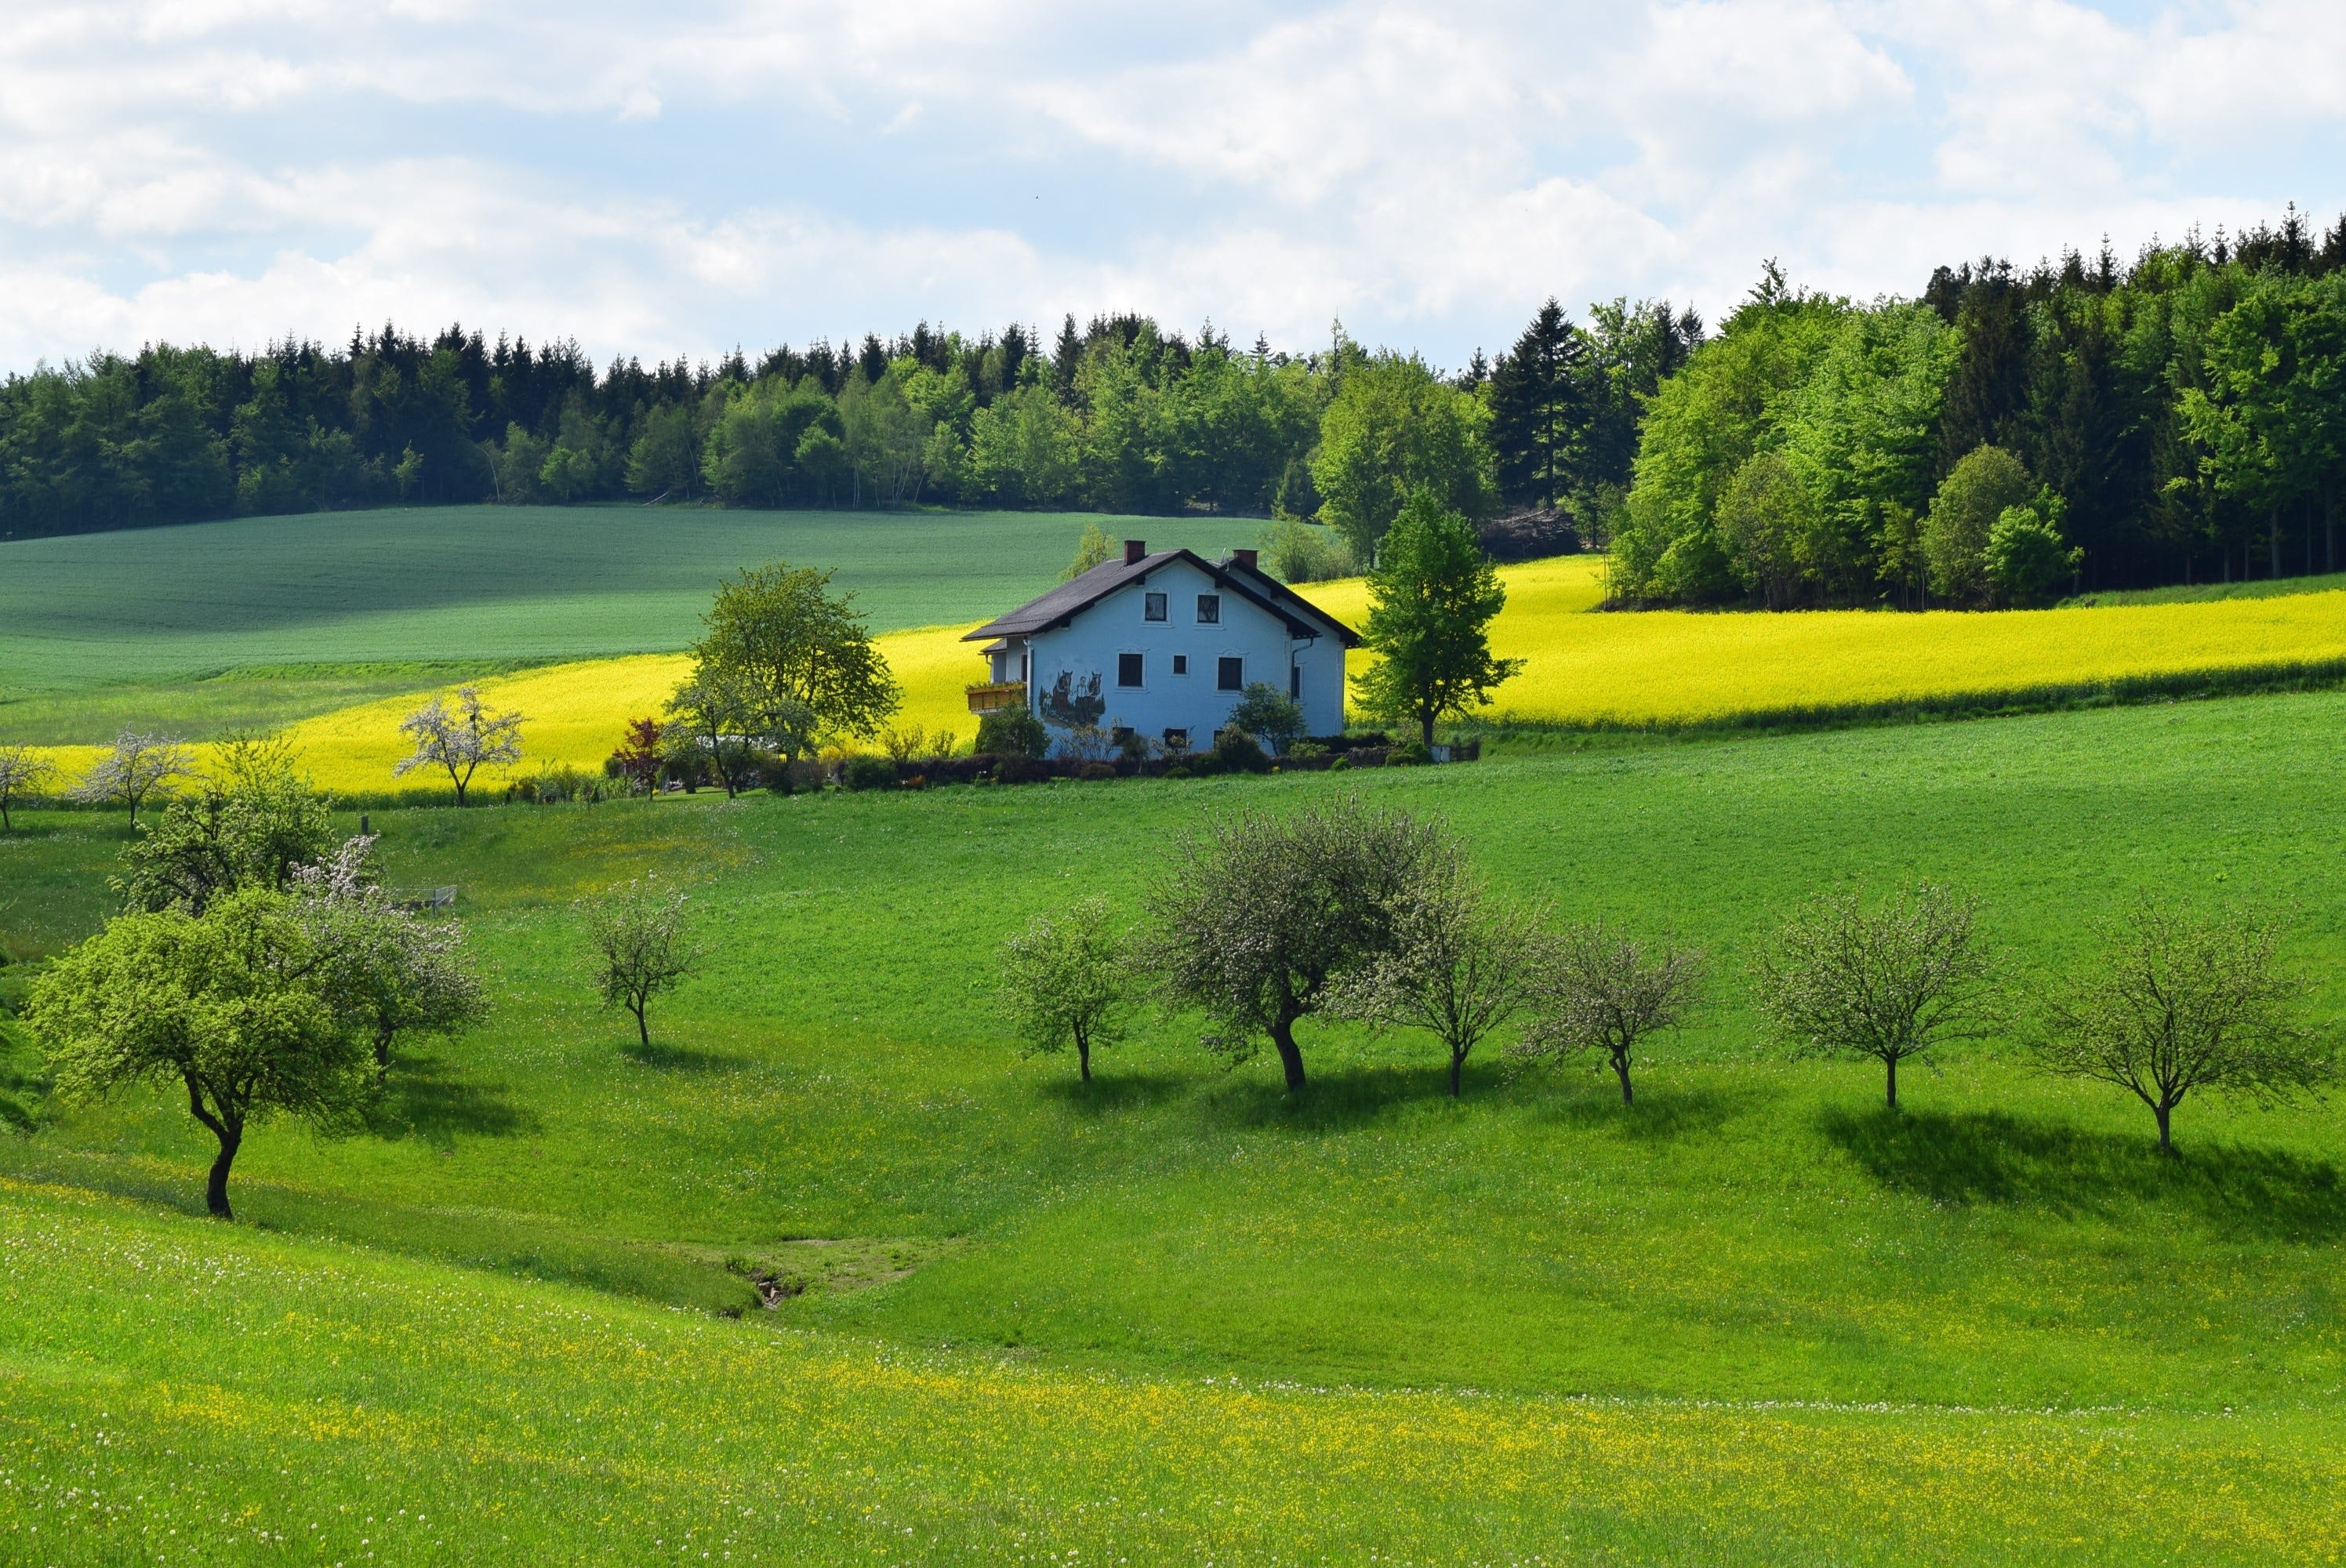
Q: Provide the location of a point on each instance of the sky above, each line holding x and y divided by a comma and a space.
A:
679, 177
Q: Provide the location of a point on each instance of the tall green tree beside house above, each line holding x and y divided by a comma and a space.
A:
1432, 599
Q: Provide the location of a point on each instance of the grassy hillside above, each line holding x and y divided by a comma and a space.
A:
173, 1389
1753, 1231
345, 591
2203, 593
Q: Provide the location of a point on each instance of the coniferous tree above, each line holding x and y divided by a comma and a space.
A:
1536, 410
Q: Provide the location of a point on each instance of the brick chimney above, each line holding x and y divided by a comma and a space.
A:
1135, 552
1244, 558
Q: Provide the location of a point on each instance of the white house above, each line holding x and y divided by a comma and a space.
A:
1163, 644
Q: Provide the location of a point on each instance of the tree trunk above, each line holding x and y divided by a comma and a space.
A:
1457, 1066
2166, 1136
1084, 1057
1282, 1035
1621, 1071
1892, 1062
1425, 728
643, 1029
382, 1049
215, 1187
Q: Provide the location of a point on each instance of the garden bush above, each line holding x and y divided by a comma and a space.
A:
1236, 751
1013, 732
868, 773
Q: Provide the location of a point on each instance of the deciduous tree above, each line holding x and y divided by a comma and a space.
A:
138, 765
1394, 429
1270, 715
779, 638
460, 740
1431, 600
23, 772
642, 946
1974, 493
253, 824
1599, 991
1459, 966
230, 1005
1261, 914
2176, 1003
1890, 983
1065, 982
386, 969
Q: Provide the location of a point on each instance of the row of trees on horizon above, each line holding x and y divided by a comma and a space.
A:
2179, 418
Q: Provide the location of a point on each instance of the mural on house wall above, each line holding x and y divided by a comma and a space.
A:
1069, 708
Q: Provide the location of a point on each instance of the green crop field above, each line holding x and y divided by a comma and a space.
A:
264, 620
1180, 1314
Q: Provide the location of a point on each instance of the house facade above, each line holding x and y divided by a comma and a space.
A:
1164, 644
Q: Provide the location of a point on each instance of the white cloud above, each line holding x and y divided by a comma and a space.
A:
656, 179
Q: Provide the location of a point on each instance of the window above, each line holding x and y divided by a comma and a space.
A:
1295, 681
1210, 609
1180, 664
1152, 607
1176, 740
1127, 669
1230, 675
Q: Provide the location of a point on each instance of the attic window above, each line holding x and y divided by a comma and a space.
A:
1210, 609
1152, 607
1127, 669
1180, 664
1230, 675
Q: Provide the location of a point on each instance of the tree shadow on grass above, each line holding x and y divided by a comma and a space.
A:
423, 1098
1112, 1090
681, 1058
1993, 1158
1337, 1098
1658, 1115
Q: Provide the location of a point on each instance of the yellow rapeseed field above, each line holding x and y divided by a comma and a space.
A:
1583, 666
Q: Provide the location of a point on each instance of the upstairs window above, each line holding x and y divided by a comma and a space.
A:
1127, 669
1152, 607
1210, 609
1230, 675
1180, 664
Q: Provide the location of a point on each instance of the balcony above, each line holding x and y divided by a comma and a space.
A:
989, 696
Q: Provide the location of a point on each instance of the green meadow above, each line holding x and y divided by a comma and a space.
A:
1180, 1314
265, 620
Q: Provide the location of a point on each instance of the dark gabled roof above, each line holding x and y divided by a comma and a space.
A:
1070, 600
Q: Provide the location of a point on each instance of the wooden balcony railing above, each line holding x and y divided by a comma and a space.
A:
988, 696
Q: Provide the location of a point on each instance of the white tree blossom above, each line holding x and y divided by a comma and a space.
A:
462, 739
135, 766
23, 771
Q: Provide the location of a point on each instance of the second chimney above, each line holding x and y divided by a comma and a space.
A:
1244, 558
1135, 552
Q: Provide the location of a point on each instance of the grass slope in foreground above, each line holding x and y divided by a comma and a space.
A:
344, 591
177, 1392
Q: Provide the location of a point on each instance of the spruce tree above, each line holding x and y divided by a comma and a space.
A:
1538, 409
